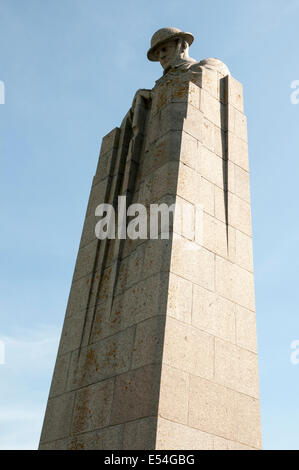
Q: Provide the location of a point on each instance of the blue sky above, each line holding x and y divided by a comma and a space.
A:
71, 68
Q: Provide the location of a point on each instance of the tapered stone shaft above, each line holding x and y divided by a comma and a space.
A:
158, 349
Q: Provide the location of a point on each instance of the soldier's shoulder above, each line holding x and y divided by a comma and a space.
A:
211, 63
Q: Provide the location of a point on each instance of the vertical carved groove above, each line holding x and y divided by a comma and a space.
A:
225, 146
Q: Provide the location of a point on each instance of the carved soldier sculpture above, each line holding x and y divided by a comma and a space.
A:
170, 47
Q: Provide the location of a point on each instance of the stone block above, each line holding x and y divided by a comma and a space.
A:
208, 134
188, 349
224, 444
135, 265
231, 178
193, 263
184, 219
238, 151
140, 434
157, 257
102, 360
244, 251
160, 152
193, 122
110, 141
173, 436
212, 408
242, 184
235, 93
88, 233
174, 390
102, 285
248, 430
146, 299
220, 142
234, 283
59, 379
195, 189
86, 260
214, 235
81, 291
211, 108
93, 407
210, 82
207, 196
194, 93
213, 314
179, 304
189, 150
236, 368
161, 97
172, 117
220, 204
148, 346
99, 195
109, 438
106, 321
177, 90
58, 417
239, 214
211, 167
164, 181
240, 125
72, 333
246, 329
106, 164
136, 394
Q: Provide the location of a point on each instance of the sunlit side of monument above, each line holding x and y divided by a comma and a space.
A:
158, 349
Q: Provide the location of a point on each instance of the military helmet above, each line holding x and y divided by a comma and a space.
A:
163, 35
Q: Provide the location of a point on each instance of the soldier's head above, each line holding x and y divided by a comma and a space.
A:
168, 45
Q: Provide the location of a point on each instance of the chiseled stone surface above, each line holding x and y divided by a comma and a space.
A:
136, 394
174, 390
214, 314
140, 434
158, 348
236, 368
188, 349
93, 407
179, 298
58, 419
246, 329
223, 412
174, 436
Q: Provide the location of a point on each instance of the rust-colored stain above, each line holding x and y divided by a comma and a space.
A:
180, 91
76, 445
82, 412
162, 98
98, 324
126, 387
110, 356
116, 319
89, 363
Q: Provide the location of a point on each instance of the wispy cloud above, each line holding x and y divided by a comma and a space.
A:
25, 381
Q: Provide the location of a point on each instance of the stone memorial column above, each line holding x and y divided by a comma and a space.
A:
158, 348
